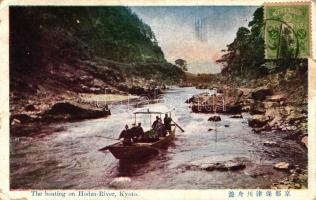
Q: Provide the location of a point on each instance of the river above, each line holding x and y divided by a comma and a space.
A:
66, 156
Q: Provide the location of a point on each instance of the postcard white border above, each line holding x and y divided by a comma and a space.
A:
5, 193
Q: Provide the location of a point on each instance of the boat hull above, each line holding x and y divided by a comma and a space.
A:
140, 150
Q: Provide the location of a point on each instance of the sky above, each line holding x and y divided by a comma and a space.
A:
196, 34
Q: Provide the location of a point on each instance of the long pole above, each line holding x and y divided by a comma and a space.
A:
177, 125
107, 137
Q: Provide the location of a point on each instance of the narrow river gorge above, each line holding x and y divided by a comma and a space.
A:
66, 156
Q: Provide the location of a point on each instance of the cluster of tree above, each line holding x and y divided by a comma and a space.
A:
244, 57
245, 54
181, 64
112, 32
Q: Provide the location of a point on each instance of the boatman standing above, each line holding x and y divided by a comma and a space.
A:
167, 122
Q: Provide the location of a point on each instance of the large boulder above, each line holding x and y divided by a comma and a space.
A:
261, 93
257, 108
71, 111
258, 121
227, 102
202, 97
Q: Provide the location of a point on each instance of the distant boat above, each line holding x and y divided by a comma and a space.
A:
143, 149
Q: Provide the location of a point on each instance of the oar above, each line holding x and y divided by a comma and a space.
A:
107, 137
105, 148
177, 125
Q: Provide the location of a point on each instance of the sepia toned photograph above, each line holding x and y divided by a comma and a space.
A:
159, 97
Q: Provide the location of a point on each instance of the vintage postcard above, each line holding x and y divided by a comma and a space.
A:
157, 100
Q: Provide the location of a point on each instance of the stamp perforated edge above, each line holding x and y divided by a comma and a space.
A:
294, 3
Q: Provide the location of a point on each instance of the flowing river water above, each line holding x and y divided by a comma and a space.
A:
66, 156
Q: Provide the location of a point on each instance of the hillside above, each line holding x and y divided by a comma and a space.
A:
59, 53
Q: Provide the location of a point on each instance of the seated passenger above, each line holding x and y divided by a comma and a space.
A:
125, 134
159, 128
133, 131
139, 132
155, 122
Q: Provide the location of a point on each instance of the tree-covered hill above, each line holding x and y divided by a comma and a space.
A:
114, 33
59, 53
54, 36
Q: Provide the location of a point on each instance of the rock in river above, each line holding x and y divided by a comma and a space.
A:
224, 166
70, 111
270, 143
227, 102
120, 182
214, 118
236, 116
282, 166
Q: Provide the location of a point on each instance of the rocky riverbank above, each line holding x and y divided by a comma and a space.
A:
46, 106
269, 111
277, 104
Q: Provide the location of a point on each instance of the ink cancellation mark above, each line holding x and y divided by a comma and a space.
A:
287, 30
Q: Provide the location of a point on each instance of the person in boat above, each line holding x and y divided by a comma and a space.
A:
155, 123
126, 135
136, 132
159, 128
167, 122
139, 133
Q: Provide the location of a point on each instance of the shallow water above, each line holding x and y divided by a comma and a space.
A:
65, 155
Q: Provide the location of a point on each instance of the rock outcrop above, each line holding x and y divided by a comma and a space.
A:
261, 93
258, 121
230, 101
70, 111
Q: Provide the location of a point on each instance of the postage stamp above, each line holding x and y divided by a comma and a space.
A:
287, 30
157, 100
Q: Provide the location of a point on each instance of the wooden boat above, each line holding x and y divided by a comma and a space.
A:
142, 149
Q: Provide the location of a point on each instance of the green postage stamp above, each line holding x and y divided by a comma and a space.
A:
287, 31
